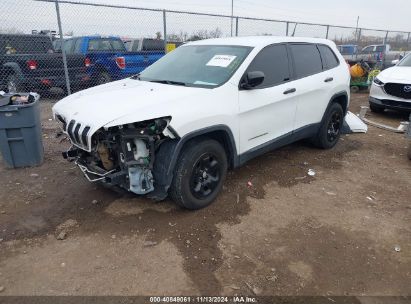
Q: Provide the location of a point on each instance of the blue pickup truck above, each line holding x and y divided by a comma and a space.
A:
107, 58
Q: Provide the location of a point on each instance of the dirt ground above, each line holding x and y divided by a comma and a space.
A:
345, 231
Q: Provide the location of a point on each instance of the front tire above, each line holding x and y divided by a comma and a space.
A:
330, 130
199, 175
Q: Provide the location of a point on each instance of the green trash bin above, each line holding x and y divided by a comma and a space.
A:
21, 143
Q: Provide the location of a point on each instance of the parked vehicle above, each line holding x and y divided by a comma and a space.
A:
391, 89
349, 52
29, 63
108, 59
149, 44
208, 106
379, 53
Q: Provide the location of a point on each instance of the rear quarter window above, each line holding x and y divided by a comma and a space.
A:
329, 58
307, 59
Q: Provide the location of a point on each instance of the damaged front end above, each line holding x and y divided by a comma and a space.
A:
123, 155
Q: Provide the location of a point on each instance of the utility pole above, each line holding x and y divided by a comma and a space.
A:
356, 29
232, 15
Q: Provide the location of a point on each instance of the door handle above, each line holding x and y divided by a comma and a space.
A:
329, 79
289, 91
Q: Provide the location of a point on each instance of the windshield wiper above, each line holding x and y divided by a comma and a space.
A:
169, 82
135, 77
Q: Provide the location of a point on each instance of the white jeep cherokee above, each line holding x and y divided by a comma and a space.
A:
205, 107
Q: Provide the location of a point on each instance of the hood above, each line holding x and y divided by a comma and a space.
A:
97, 107
398, 74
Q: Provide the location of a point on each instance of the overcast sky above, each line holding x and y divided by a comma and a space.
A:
383, 14
26, 15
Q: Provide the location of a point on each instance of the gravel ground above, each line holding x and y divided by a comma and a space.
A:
345, 231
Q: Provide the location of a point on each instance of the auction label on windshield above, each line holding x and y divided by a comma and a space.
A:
221, 60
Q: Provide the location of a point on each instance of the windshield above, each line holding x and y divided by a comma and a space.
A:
406, 62
197, 65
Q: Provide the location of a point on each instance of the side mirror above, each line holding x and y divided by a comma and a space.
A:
251, 80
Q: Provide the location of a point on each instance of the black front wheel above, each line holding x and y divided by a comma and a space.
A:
330, 129
199, 174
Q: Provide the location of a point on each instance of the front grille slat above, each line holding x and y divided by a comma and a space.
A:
84, 135
398, 90
70, 129
78, 135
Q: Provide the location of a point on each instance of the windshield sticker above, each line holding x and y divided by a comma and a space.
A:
221, 60
204, 83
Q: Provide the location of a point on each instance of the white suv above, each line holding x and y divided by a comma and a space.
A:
207, 106
391, 89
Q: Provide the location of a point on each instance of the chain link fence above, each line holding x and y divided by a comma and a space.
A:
72, 45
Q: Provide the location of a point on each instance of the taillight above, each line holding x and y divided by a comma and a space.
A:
121, 62
87, 62
32, 64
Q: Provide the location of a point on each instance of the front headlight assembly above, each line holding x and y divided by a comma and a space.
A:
378, 82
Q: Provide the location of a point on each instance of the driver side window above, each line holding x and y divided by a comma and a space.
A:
274, 63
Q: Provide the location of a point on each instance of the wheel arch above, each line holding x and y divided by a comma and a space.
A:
169, 152
342, 99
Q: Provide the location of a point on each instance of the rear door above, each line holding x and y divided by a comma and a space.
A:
315, 81
268, 111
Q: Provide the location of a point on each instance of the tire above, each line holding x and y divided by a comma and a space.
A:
409, 150
102, 78
376, 109
12, 85
199, 174
330, 129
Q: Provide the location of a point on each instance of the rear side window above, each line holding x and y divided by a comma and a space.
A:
118, 45
77, 46
330, 61
273, 62
307, 59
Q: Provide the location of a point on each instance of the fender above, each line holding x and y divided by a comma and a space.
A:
16, 69
334, 97
168, 153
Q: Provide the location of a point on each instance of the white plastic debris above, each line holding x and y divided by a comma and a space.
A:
311, 172
354, 124
397, 248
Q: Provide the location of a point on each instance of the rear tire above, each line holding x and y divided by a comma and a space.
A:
12, 85
199, 175
103, 78
376, 109
330, 129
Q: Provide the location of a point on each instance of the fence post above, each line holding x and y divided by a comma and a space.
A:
358, 42
236, 26
385, 49
328, 30
287, 28
165, 30
63, 51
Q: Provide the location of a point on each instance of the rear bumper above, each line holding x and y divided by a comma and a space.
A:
77, 80
391, 104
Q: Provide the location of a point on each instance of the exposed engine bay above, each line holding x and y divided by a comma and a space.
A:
123, 155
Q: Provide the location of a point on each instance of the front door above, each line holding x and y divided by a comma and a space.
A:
267, 112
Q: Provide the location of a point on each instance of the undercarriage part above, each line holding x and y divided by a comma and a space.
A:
141, 180
402, 128
124, 156
104, 154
